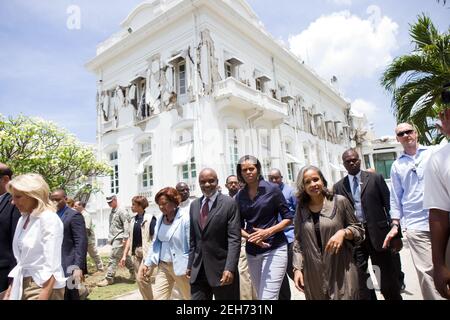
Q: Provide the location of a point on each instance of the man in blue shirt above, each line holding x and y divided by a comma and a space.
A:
289, 194
407, 176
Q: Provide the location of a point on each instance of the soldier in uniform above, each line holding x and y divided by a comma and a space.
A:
117, 238
92, 249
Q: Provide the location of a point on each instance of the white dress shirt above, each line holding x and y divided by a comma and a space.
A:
211, 200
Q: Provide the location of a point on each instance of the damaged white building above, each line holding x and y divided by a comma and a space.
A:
189, 84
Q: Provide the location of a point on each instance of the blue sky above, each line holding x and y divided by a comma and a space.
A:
42, 61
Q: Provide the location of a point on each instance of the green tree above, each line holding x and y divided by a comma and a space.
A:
417, 80
35, 145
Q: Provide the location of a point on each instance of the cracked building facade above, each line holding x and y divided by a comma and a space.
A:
189, 84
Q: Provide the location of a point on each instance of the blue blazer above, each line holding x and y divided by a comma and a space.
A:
74, 246
178, 243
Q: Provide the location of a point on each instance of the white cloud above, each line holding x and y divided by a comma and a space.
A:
341, 2
346, 46
360, 106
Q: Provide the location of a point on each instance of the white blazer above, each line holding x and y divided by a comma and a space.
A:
40, 253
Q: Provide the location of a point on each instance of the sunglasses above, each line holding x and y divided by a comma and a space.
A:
404, 133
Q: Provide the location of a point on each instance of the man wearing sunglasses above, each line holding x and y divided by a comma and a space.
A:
407, 177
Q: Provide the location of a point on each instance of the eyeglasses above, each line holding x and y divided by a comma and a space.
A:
404, 133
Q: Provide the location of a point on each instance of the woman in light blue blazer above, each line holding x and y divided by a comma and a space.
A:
170, 249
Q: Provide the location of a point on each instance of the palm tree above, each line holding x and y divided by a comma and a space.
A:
417, 80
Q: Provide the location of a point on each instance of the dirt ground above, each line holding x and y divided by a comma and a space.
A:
122, 283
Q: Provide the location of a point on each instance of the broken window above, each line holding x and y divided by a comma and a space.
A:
229, 72
260, 80
181, 77
259, 85
232, 66
273, 93
178, 63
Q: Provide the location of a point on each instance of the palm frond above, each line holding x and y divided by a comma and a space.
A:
408, 65
423, 32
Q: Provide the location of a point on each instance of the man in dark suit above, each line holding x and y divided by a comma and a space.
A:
74, 247
369, 195
9, 215
215, 243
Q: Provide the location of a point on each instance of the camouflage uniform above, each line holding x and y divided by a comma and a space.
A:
118, 232
92, 249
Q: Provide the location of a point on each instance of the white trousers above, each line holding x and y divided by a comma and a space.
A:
267, 271
420, 247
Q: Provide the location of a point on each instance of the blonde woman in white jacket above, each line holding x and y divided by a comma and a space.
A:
37, 243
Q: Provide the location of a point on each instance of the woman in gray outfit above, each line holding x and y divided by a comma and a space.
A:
326, 229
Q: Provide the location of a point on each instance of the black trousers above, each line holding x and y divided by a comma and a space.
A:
382, 261
4, 281
71, 294
285, 290
201, 290
398, 268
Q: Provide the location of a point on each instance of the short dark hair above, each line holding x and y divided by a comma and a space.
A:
170, 193
303, 198
140, 201
352, 150
81, 203
252, 159
61, 190
231, 175
6, 171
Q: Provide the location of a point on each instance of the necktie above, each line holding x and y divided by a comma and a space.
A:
356, 192
204, 213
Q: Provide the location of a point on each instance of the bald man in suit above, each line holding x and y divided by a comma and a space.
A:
215, 243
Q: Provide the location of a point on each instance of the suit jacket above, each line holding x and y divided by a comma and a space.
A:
218, 245
375, 204
147, 232
178, 243
74, 247
9, 216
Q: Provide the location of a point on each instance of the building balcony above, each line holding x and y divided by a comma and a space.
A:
232, 94
107, 126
